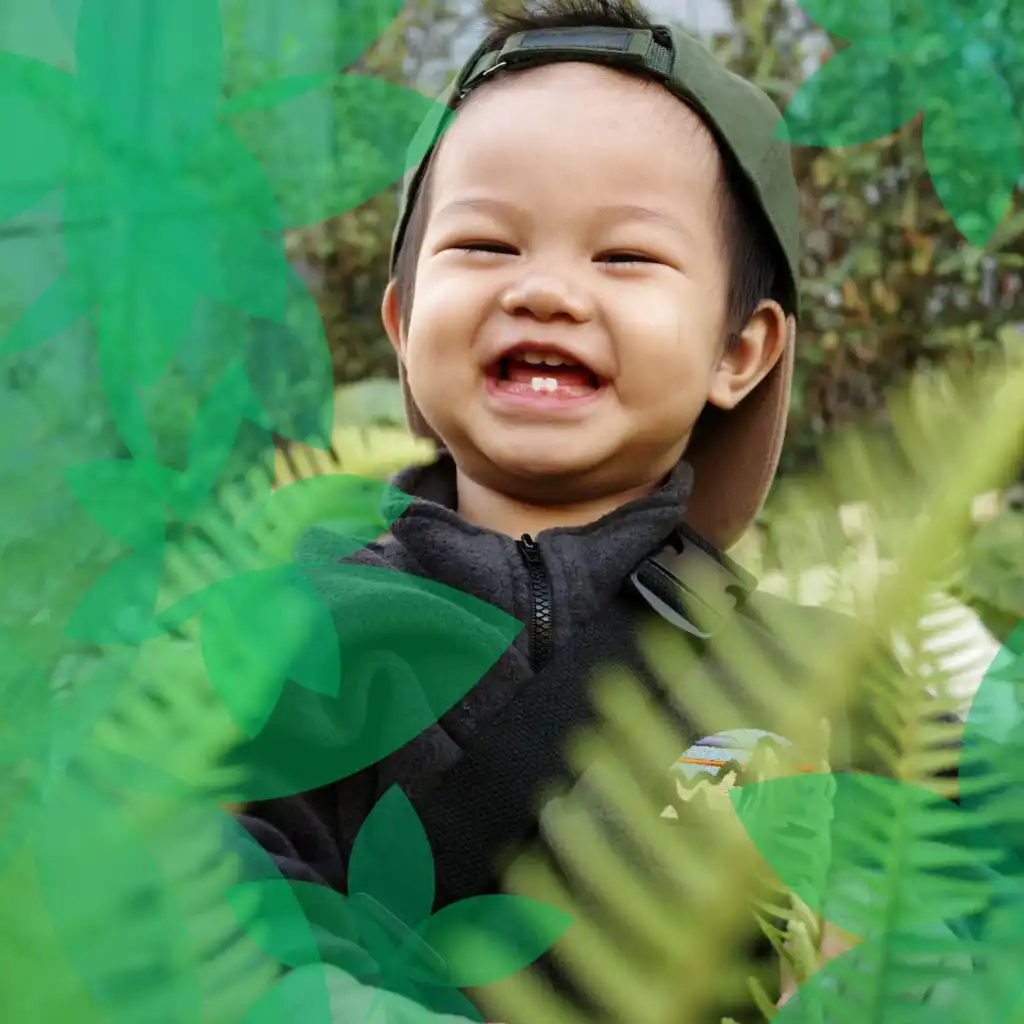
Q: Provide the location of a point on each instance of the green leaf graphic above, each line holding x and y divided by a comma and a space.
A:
391, 860
487, 938
59, 307
155, 82
119, 608
856, 20
953, 57
265, 625
273, 94
128, 871
345, 511
313, 37
290, 368
993, 751
401, 953
908, 977
277, 922
37, 107
354, 134
873, 881
975, 183
122, 497
410, 649
828, 109
213, 436
301, 995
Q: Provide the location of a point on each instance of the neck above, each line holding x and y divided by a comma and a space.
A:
492, 510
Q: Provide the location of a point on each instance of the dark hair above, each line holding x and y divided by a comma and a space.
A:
756, 258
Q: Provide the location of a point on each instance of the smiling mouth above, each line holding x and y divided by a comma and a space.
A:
539, 374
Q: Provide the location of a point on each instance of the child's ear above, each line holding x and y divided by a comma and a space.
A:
391, 315
749, 356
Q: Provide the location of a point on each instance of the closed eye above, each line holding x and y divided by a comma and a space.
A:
497, 248
626, 257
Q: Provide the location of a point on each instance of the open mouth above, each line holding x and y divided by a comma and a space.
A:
542, 373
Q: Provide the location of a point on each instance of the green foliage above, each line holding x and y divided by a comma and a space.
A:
993, 578
915, 864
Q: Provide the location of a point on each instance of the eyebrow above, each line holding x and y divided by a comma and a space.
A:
616, 212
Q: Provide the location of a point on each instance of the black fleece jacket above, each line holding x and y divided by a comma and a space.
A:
310, 835
584, 570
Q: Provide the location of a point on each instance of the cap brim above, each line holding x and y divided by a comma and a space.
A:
735, 463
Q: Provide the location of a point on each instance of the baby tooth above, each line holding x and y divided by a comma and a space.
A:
533, 358
553, 360
544, 384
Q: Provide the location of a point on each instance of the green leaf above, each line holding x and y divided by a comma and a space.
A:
274, 919
234, 189
856, 20
151, 72
335, 147
301, 995
902, 977
861, 94
120, 496
215, 429
340, 505
37, 104
259, 628
251, 268
59, 307
144, 934
411, 649
973, 147
876, 878
273, 94
487, 938
124, 403
291, 370
25, 702
391, 860
313, 37
992, 763
142, 269
399, 951
119, 608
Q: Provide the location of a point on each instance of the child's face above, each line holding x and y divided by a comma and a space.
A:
529, 241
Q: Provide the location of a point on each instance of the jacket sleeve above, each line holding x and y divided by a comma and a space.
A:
309, 836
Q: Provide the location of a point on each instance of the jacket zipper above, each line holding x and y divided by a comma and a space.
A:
541, 625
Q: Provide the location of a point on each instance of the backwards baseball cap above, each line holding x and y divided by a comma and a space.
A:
735, 459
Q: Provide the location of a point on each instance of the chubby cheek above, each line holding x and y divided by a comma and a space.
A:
663, 387
439, 350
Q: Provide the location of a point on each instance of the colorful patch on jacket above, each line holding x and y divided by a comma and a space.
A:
733, 758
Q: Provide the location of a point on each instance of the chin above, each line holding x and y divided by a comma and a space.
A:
546, 465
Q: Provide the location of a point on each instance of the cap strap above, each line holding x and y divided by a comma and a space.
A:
636, 49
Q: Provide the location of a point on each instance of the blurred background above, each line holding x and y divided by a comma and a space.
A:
890, 287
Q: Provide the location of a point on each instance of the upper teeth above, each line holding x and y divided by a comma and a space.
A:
550, 359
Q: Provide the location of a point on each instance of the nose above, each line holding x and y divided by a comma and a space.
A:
547, 297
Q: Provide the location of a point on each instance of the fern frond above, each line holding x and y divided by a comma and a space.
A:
663, 916
116, 908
